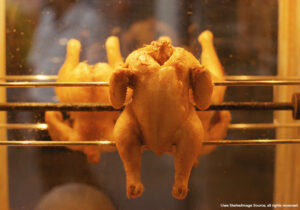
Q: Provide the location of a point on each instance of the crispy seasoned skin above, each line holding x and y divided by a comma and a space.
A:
215, 123
161, 115
85, 125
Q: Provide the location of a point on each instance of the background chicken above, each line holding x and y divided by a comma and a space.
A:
84, 125
215, 123
161, 115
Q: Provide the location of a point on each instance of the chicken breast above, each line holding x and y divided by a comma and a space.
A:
85, 125
161, 115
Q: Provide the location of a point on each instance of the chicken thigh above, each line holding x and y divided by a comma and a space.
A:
161, 116
85, 125
215, 123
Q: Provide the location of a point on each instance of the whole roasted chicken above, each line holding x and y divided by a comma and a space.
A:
161, 115
84, 126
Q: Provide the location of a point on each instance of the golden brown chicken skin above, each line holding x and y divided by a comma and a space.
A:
161, 115
84, 126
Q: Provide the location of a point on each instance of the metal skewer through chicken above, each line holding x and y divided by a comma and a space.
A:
84, 126
161, 115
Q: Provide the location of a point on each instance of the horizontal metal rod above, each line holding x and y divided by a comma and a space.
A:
252, 106
228, 77
52, 84
234, 126
31, 126
253, 142
29, 77
238, 126
257, 83
107, 107
111, 144
87, 84
56, 106
106, 145
258, 78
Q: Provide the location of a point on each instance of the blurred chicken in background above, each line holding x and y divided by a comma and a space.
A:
215, 123
84, 126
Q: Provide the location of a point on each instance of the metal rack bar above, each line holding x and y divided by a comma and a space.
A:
227, 78
253, 142
107, 107
234, 126
257, 83
105, 143
29, 77
39, 143
52, 84
258, 78
252, 106
85, 84
57, 107
39, 126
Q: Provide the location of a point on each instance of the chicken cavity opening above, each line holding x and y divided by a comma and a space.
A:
161, 51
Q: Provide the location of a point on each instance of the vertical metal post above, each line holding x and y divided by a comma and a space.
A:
287, 163
4, 199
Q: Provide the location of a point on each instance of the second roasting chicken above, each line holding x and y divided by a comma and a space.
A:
84, 126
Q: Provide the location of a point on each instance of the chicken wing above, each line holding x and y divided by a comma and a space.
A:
85, 125
161, 115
